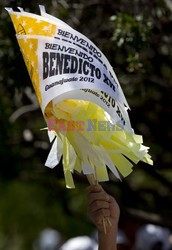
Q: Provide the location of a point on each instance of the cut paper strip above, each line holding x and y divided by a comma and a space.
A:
51, 135
51, 18
55, 154
78, 90
77, 165
110, 165
138, 138
87, 169
72, 157
67, 171
101, 173
9, 9
123, 165
42, 9
21, 9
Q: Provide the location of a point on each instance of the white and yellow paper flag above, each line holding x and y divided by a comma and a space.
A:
80, 97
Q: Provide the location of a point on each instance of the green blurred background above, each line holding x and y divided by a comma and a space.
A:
136, 37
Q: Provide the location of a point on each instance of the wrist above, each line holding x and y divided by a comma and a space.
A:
107, 241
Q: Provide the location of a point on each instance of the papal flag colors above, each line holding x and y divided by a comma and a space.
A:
80, 97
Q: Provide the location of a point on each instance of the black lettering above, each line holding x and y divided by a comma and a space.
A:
98, 73
52, 69
74, 64
80, 66
108, 82
46, 45
59, 63
45, 65
92, 67
85, 64
66, 61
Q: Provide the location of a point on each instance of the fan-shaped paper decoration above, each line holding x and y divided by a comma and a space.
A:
80, 97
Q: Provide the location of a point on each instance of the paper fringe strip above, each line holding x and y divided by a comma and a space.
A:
91, 152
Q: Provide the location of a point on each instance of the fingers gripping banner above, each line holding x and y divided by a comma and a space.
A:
75, 83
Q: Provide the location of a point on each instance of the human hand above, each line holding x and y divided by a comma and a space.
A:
101, 205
